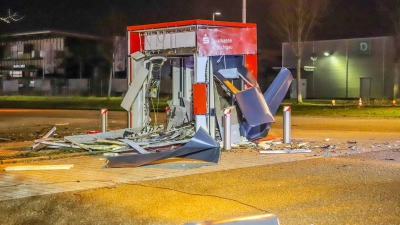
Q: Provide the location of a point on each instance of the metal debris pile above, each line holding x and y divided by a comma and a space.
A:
136, 147
147, 139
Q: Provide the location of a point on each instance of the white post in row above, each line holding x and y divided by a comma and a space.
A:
227, 128
286, 124
104, 122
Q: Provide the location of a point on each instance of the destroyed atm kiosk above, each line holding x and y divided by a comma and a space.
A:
213, 65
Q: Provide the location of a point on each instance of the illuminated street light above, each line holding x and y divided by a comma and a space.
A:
327, 54
216, 13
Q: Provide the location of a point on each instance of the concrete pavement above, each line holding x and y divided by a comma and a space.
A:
88, 172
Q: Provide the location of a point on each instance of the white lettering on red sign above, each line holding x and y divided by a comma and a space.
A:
226, 41
222, 47
206, 39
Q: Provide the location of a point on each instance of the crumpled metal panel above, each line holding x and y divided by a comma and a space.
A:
134, 88
273, 96
253, 106
278, 89
251, 101
247, 75
253, 133
202, 147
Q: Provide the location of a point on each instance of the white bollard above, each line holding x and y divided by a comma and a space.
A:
227, 128
286, 124
104, 115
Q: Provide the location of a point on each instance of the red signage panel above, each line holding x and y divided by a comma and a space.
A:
199, 98
136, 42
226, 41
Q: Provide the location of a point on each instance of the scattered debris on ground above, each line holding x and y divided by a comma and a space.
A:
154, 139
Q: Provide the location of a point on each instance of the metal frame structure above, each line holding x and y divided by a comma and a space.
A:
206, 56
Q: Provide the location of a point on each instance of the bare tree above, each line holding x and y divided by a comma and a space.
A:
11, 17
391, 8
293, 20
110, 26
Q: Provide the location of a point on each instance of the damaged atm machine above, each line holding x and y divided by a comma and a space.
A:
212, 65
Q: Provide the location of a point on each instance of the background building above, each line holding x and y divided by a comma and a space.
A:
54, 62
345, 68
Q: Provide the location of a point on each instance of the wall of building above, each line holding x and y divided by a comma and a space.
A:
351, 61
57, 57
31, 57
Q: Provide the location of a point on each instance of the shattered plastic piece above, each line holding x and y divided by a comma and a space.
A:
302, 144
353, 148
110, 154
202, 147
264, 145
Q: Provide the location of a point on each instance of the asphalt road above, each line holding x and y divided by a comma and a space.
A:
23, 124
20, 125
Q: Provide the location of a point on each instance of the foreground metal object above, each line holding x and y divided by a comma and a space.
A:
251, 101
202, 147
273, 97
268, 219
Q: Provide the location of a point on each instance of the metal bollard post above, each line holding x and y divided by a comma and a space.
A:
227, 129
286, 124
104, 114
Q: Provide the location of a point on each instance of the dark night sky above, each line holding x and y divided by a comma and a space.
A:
346, 18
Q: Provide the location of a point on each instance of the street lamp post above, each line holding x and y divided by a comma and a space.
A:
243, 11
216, 13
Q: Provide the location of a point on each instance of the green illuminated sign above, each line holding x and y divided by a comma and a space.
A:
364, 47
